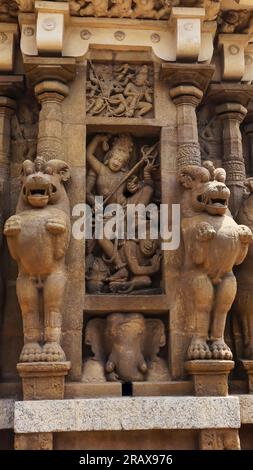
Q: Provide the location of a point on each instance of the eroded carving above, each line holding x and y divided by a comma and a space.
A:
38, 237
219, 439
235, 21
213, 244
244, 275
125, 348
8, 10
121, 265
153, 9
24, 131
121, 90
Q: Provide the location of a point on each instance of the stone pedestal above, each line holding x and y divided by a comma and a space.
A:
43, 380
248, 366
210, 378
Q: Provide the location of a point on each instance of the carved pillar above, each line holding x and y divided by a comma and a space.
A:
50, 94
232, 114
248, 129
186, 99
7, 107
231, 107
187, 84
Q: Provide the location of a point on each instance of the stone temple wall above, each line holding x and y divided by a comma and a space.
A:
123, 343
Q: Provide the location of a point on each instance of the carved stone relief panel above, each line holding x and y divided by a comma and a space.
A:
24, 129
120, 90
8, 10
125, 347
123, 171
152, 9
235, 21
210, 136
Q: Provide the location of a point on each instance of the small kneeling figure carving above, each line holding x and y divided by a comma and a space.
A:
38, 237
213, 244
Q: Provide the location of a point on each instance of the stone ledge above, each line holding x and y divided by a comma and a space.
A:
246, 407
6, 413
138, 413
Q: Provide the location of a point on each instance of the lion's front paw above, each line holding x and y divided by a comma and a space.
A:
56, 225
12, 226
220, 350
31, 352
245, 234
198, 349
204, 232
53, 352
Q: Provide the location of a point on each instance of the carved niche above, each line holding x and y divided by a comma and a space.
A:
120, 90
38, 237
24, 130
125, 348
213, 243
125, 172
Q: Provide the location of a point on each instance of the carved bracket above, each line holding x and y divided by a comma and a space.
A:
72, 37
234, 48
8, 32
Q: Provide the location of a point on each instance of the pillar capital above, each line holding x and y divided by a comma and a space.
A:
11, 86
231, 110
193, 75
46, 88
220, 93
50, 69
186, 94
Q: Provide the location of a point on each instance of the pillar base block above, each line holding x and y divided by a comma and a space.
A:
210, 377
43, 380
248, 366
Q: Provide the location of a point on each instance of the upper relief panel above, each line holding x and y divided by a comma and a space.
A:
120, 90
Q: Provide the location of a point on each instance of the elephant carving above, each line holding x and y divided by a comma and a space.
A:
213, 244
125, 348
242, 309
38, 237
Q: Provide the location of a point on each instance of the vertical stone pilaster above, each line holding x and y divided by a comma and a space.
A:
232, 114
186, 99
50, 94
7, 107
186, 86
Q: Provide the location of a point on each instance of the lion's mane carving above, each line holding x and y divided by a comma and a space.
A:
38, 237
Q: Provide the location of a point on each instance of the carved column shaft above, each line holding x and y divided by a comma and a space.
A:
231, 115
50, 94
248, 128
186, 99
7, 107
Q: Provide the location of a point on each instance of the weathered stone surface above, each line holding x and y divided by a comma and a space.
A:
6, 413
128, 414
210, 378
246, 409
43, 380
